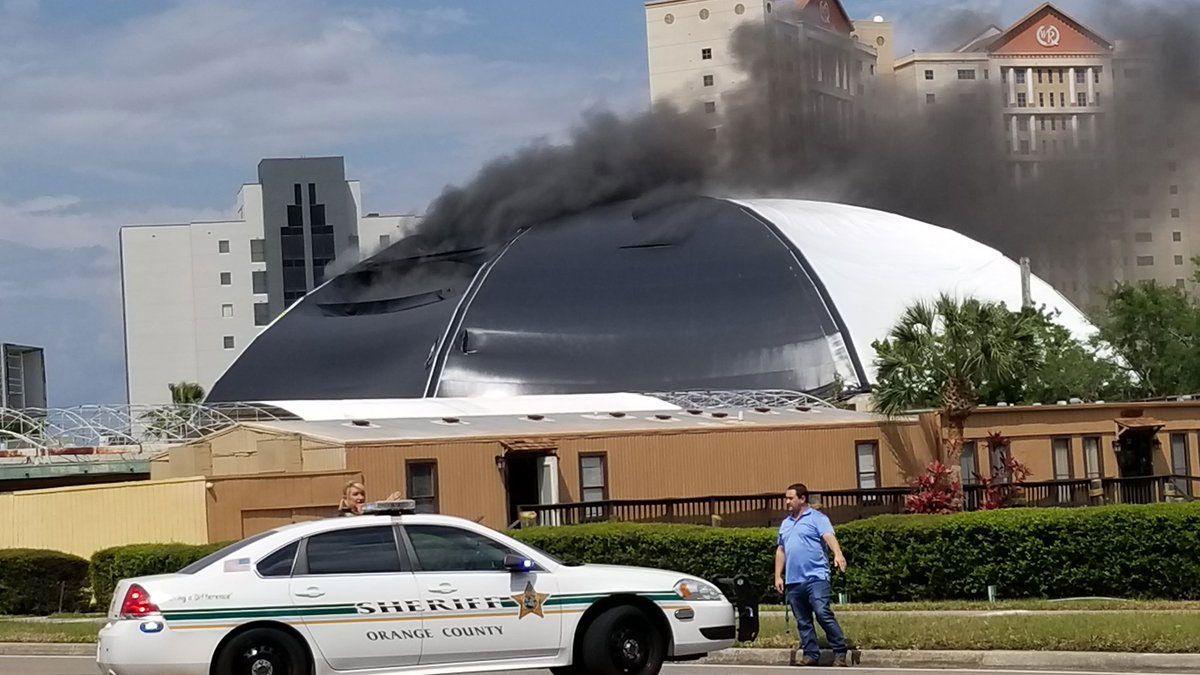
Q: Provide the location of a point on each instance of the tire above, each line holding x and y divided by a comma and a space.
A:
566, 670
622, 641
262, 651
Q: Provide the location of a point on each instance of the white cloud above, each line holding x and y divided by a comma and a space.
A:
204, 80
46, 203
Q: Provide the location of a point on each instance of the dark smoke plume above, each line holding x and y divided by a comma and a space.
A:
948, 167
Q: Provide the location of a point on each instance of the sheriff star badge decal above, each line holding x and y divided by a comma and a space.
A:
531, 601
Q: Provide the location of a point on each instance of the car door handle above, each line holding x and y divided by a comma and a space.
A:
311, 592
444, 589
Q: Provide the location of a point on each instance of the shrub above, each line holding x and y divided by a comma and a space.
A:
35, 581
935, 491
1120, 551
110, 565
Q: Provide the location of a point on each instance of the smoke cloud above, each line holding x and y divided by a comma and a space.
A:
948, 166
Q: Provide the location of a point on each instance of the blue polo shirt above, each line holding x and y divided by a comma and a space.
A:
804, 550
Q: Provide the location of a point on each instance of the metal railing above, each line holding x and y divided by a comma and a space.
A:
842, 506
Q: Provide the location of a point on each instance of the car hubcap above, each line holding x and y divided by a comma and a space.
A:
262, 660
630, 650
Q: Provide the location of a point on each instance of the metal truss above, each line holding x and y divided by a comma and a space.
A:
42, 433
752, 398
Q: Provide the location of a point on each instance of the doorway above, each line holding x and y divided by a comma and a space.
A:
1135, 448
530, 478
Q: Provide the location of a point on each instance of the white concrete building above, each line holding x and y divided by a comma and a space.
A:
196, 294
22, 377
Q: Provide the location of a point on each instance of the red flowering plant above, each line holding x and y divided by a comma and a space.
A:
1002, 489
935, 491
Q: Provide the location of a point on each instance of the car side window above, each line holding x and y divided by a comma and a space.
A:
279, 563
360, 550
451, 549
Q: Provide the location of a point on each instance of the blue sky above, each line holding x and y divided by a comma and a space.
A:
149, 112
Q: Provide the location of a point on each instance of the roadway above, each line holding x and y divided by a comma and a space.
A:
85, 665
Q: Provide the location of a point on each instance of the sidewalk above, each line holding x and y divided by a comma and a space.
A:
965, 660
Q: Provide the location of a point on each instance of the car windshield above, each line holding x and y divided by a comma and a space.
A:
213, 557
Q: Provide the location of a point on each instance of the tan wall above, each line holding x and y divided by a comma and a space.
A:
243, 450
657, 465
239, 506
85, 519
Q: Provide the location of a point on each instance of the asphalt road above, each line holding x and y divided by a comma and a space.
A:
83, 665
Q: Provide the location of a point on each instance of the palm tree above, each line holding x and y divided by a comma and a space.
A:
941, 354
185, 393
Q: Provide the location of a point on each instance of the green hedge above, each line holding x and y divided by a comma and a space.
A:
34, 581
110, 565
1122, 551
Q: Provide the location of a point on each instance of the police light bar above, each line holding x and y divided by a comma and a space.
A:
392, 508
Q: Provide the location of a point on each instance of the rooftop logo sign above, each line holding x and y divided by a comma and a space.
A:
1049, 36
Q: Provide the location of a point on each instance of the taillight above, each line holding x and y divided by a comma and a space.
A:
137, 603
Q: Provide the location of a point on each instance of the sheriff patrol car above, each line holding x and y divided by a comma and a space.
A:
392, 591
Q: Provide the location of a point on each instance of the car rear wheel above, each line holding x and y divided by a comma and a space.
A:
622, 641
262, 651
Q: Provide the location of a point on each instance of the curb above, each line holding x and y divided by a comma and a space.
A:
47, 649
998, 659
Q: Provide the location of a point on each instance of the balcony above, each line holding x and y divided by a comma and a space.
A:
842, 506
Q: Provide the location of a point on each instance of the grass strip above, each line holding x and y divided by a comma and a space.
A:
1150, 632
41, 631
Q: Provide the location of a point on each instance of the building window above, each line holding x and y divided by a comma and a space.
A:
296, 192
1143, 237
1004, 75
1022, 100
226, 279
1174, 189
1054, 124
1081, 99
872, 66
969, 463
1062, 458
1080, 77
385, 240
710, 107
930, 99
1174, 213
966, 74
1020, 76
1141, 214
1179, 283
1024, 146
1179, 462
258, 251
706, 54
867, 456
1096, 74
262, 314
1178, 260
1093, 461
708, 80
986, 72
1176, 236
929, 74
422, 485
312, 193
1039, 74
1023, 123
258, 282
593, 478
1042, 99
223, 246
227, 342
1145, 261
227, 311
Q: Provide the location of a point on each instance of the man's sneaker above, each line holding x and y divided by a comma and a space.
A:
808, 661
839, 661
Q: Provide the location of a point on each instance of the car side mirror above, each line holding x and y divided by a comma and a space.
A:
516, 563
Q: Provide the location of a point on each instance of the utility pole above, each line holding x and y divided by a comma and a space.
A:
1026, 293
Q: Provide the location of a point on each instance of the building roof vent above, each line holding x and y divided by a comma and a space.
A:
695, 411
451, 420
535, 417
617, 414
803, 408
662, 416
762, 409
361, 424
720, 414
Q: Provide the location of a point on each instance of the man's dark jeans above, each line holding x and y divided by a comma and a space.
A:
809, 598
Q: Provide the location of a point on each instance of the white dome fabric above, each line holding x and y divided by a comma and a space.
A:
875, 264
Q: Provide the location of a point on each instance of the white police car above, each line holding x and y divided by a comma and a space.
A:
395, 592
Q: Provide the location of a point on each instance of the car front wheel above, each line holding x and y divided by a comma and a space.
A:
622, 641
262, 651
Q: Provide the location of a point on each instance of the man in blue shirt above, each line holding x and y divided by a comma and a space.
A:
802, 574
